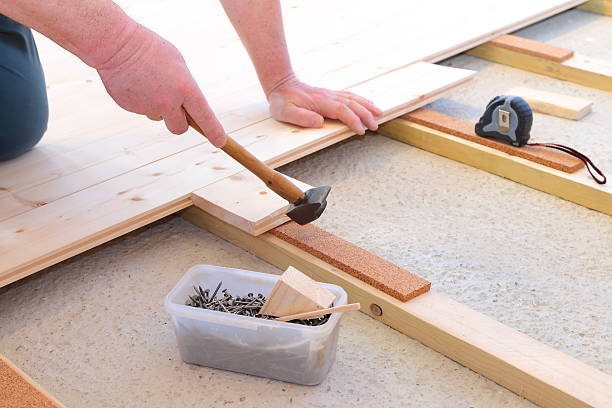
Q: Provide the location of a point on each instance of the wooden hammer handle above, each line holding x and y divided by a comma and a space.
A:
273, 179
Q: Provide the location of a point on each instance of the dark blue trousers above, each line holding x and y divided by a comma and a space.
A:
23, 95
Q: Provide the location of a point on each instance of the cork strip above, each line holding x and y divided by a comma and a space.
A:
17, 391
531, 47
465, 130
357, 262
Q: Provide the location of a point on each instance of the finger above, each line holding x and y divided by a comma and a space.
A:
176, 122
155, 117
340, 111
365, 102
296, 115
364, 114
198, 108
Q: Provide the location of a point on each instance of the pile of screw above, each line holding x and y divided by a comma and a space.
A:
249, 305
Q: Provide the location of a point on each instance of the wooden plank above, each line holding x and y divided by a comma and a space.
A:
598, 6
465, 130
26, 185
99, 213
563, 106
531, 47
18, 390
533, 370
244, 201
577, 187
579, 69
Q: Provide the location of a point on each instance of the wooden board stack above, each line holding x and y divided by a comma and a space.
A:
101, 172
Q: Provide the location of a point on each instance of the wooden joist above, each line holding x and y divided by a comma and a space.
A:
465, 130
577, 187
533, 48
535, 371
598, 6
583, 70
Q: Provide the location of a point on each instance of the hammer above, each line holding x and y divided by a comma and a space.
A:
304, 207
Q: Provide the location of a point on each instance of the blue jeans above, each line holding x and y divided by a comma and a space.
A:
23, 95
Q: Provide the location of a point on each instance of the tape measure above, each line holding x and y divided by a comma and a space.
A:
508, 119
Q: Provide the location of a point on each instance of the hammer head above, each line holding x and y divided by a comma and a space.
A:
310, 207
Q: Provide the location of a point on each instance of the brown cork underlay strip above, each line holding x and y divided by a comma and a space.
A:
357, 262
531, 47
465, 130
19, 392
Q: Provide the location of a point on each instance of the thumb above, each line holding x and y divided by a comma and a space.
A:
295, 115
198, 108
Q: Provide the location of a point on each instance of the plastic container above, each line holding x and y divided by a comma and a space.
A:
280, 350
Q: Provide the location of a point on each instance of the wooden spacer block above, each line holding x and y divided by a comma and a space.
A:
296, 293
531, 47
563, 106
465, 130
357, 262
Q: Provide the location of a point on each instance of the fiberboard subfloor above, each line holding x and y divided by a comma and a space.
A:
100, 172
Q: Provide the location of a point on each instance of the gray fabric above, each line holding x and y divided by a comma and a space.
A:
23, 96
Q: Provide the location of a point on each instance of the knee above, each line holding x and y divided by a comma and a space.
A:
23, 118
20, 134
23, 96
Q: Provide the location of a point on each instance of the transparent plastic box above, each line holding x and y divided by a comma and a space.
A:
279, 350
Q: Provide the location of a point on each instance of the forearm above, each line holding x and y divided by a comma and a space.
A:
259, 24
93, 30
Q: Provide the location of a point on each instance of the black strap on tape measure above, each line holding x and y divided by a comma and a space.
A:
508, 119
573, 152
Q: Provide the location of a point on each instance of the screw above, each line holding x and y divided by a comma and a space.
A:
216, 290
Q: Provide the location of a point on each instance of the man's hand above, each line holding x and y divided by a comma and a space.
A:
142, 72
149, 76
295, 102
259, 24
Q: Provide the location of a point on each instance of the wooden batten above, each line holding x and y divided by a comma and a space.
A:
580, 69
531, 47
531, 369
598, 6
548, 157
578, 187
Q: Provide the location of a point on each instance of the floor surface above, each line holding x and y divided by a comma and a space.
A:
93, 330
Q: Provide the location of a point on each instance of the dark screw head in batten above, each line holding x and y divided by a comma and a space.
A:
376, 310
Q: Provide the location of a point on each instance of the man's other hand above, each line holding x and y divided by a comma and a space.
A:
297, 103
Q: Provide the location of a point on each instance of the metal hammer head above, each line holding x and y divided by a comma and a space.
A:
310, 207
